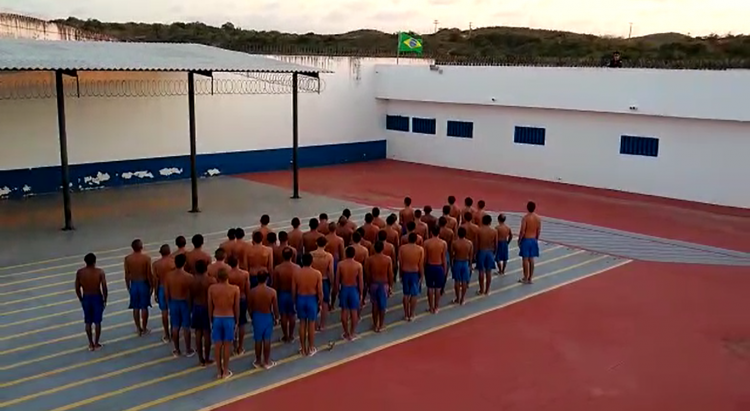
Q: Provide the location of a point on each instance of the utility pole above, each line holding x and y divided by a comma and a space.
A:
630, 32
436, 24
469, 29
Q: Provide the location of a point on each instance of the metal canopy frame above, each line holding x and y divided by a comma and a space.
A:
63, 137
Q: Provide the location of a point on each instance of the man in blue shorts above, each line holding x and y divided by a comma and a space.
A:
411, 263
177, 293
264, 311
528, 241
307, 291
435, 249
487, 243
350, 283
462, 251
283, 275
224, 311
504, 237
201, 321
91, 289
139, 282
379, 271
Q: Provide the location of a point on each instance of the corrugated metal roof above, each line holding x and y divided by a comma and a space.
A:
24, 54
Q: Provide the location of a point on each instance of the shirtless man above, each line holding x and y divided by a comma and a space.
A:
181, 244
350, 284
283, 275
307, 291
91, 289
264, 229
393, 231
323, 223
406, 215
528, 241
323, 262
335, 246
345, 231
435, 270
278, 256
462, 251
161, 269
451, 221
370, 229
367, 244
448, 235
264, 311
479, 213
177, 293
224, 311
240, 279
389, 250
295, 238
220, 264
229, 244
201, 320
504, 237
360, 251
468, 208
379, 272
348, 214
428, 218
271, 243
411, 228
472, 232
139, 282
411, 261
395, 225
421, 227
455, 211
239, 248
487, 243
257, 258
310, 238
196, 254
376, 220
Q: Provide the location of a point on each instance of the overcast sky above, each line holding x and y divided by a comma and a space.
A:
697, 17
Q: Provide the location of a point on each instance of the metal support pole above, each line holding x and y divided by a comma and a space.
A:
193, 144
295, 136
64, 166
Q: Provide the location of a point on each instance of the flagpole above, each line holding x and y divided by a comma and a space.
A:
398, 46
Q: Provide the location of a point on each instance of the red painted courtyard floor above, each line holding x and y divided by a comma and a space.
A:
645, 336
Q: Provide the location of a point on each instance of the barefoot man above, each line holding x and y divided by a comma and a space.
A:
91, 289
162, 267
201, 321
258, 257
264, 229
461, 252
138, 280
224, 310
323, 262
177, 293
487, 243
240, 279
283, 275
379, 272
220, 264
264, 311
345, 231
504, 237
196, 254
379, 222
528, 241
411, 262
406, 215
335, 246
307, 291
310, 238
350, 283
435, 269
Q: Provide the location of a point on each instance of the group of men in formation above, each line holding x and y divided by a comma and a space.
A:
278, 278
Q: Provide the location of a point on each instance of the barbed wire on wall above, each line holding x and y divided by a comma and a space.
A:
253, 84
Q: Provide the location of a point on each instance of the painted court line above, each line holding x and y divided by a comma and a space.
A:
332, 326
120, 249
368, 352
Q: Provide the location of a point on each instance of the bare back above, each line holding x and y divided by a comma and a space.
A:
379, 269
308, 281
435, 250
199, 290
411, 258
350, 273
310, 240
323, 262
179, 283
360, 253
531, 226
193, 256
261, 299
283, 276
240, 279
138, 267
487, 238
215, 267
224, 300
92, 280
161, 268
462, 250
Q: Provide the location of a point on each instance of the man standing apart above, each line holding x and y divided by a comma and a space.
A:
224, 310
528, 241
91, 289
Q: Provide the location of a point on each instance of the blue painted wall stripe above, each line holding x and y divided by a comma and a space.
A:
47, 179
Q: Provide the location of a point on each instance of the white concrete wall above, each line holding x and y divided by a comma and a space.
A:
715, 95
699, 160
122, 128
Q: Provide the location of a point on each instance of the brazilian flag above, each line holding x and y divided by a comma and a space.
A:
409, 44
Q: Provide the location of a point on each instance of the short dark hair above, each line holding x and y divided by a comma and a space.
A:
180, 260
295, 222
531, 206
461, 232
407, 201
435, 230
220, 253
239, 233
90, 259
164, 250
369, 218
231, 233
201, 267
287, 254
481, 204
446, 209
262, 276
356, 237
257, 237
487, 219
307, 260
136, 245
197, 241
347, 213
451, 200
350, 252
283, 236
222, 275
501, 218
382, 235
442, 221
411, 226
271, 237
265, 219
412, 237
379, 246
180, 241
321, 241
375, 212
323, 216
468, 201
232, 261
468, 216
391, 219
314, 223
427, 209
418, 213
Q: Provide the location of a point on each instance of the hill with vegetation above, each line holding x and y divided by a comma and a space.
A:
490, 45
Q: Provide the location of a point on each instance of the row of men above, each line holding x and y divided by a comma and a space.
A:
420, 260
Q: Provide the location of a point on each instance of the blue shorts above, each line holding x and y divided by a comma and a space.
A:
93, 308
161, 298
286, 303
485, 260
262, 326
243, 310
223, 329
448, 259
335, 267
434, 276
410, 282
379, 295
349, 298
461, 271
502, 251
326, 291
179, 314
307, 307
528, 248
140, 295
200, 320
